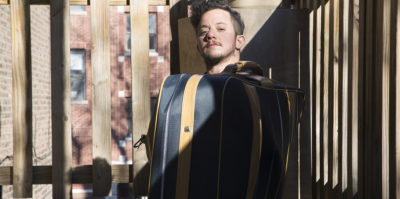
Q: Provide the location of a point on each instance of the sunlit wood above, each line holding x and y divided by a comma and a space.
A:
345, 92
87, 2
101, 97
385, 96
22, 98
140, 88
325, 92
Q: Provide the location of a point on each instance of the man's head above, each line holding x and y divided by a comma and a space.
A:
219, 31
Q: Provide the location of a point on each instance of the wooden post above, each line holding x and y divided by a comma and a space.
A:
60, 99
22, 98
140, 89
101, 98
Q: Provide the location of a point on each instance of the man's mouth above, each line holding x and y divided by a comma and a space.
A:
212, 44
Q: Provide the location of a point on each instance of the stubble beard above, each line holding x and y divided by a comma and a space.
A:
211, 61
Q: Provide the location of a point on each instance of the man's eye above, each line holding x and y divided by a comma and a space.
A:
202, 33
221, 29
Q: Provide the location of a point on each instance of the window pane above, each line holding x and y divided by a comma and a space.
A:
152, 23
153, 42
78, 75
77, 9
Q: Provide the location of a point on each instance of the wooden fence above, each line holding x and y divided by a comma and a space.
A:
61, 174
355, 98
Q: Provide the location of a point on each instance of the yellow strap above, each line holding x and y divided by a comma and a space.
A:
186, 136
257, 139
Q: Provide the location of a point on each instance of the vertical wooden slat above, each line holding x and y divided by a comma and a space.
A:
356, 37
392, 101
385, 95
397, 131
101, 97
371, 184
325, 92
318, 97
140, 87
345, 92
335, 130
22, 98
312, 46
60, 99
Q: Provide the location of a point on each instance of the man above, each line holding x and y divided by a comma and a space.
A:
219, 31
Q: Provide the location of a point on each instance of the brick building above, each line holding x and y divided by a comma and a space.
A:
80, 85
120, 76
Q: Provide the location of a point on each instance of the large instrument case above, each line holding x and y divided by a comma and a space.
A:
222, 136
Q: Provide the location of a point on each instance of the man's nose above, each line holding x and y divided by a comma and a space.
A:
210, 34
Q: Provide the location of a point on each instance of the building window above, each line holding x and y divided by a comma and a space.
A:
78, 75
77, 9
152, 33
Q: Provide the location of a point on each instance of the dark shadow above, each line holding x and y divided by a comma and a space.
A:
101, 177
282, 44
178, 11
276, 45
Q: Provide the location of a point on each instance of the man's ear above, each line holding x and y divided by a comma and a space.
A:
240, 41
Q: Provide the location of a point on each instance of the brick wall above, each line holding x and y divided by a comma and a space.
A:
120, 80
41, 115
6, 146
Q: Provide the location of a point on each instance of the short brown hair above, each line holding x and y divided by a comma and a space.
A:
199, 7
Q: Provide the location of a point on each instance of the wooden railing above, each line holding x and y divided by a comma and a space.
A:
355, 98
61, 174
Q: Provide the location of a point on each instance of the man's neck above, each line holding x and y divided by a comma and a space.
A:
220, 66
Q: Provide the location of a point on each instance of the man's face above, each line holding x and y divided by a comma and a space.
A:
216, 38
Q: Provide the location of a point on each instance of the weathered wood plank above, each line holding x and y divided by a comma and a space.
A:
313, 65
356, 48
335, 130
346, 109
325, 92
87, 2
22, 98
6, 176
318, 97
386, 22
370, 184
397, 96
80, 174
140, 89
61, 99
101, 97
392, 101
